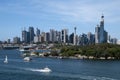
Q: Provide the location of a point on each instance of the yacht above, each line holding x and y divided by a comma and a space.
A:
6, 60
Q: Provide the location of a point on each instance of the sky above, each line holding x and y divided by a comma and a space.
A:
16, 15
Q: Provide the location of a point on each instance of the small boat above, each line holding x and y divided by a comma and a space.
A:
46, 69
27, 59
6, 60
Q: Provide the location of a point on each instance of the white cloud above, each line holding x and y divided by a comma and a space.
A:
87, 12
69, 10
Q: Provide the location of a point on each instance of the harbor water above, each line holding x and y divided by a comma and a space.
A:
62, 69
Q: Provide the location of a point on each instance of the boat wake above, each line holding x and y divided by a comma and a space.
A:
45, 70
73, 76
56, 74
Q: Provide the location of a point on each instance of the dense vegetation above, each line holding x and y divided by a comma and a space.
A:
96, 51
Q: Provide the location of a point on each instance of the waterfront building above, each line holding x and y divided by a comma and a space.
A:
16, 40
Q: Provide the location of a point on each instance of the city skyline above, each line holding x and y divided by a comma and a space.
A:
60, 14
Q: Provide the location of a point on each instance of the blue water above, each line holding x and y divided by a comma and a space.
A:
62, 69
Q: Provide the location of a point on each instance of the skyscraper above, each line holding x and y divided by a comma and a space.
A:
91, 38
24, 36
100, 33
71, 38
75, 38
52, 35
37, 32
31, 31
83, 40
64, 35
47, 37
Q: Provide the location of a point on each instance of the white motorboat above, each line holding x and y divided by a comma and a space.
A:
6, 60
45, 70
27, 59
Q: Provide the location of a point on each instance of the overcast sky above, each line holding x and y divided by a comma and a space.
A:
58, 14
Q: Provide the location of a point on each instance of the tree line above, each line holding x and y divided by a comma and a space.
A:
96, 51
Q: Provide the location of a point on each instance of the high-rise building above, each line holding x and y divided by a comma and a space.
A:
91, 38
47, 37
58, 36
71, 38
31, 31
100, 33
83, 40
75, 37
37, 32
24, 36
36, 39
64, 36
16, 40
52, 34
43, 37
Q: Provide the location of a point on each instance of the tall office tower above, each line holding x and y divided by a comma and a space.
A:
53, 35
105, 36
43, 37
31, 31
24, 36
100, 33
36, 39
52, 31
47, 37
102, 30
64, 36
75, 38
37, 32
97, 34
83, 40
58, 36
71, 38
91, 38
